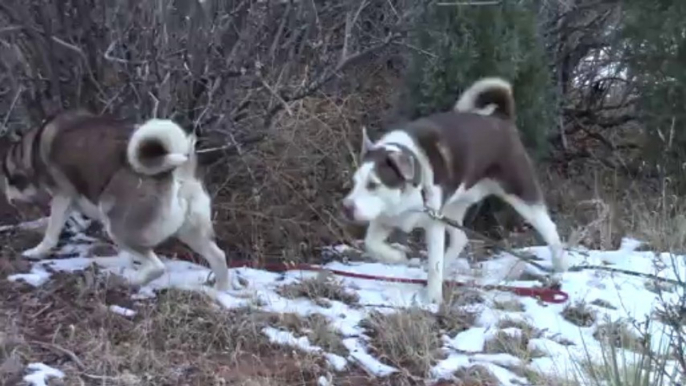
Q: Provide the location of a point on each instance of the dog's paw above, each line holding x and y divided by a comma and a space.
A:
560, 264
390, 256
37, 252
427, 297
146, 275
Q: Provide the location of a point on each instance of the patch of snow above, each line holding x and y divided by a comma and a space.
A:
359, 353
446, 367
470, 340
336, 361
40, 373
287, 338
123, 311
505, 360
323, 381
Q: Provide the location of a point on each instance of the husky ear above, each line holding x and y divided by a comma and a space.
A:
403, 163
366, 142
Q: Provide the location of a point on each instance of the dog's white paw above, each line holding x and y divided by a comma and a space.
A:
428, 297
234, 282
38, 252
390, 255
146, 274
560, 262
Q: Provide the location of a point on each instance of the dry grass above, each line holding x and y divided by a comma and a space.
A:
13, 348
538, 379
179, 338
618, 334
296, 179
315, 327
461, 296
475, 376
321, 289
579, 314
408, 340
509, 305
515, 343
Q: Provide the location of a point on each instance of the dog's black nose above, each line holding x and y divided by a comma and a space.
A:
348, 210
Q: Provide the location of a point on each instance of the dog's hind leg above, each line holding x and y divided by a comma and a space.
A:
59, 213
537, 215
210, 251
457, 238
197, 232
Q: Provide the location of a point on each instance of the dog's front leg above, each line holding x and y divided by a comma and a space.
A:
59, 213
376, 245
435, 239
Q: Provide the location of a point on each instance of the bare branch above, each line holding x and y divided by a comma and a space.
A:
108, 55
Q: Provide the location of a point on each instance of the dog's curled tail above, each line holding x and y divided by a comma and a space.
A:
158, 146
488, 96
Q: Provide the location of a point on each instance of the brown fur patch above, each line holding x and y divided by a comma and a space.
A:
465, 148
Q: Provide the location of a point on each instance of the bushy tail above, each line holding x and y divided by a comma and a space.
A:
158, 146
488, 96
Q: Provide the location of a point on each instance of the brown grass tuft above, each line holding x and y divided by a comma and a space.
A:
320, 288
453, 320
320, 333
475, 376
408, 340
515, 345
316, 327
509, 305
461, 296
579, 314
618, 334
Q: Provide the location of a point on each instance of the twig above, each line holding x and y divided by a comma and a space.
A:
62, 350
350, 21
276, 95
68, 45
326, 76
9, 111
156, 105
108, 55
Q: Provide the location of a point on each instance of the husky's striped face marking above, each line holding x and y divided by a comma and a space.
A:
381, 184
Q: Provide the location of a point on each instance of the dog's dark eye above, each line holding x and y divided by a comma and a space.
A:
371, 185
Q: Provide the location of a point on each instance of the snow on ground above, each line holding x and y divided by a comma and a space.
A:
39, 374
627, 295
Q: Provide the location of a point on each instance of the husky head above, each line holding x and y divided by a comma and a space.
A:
16, 177
385, 184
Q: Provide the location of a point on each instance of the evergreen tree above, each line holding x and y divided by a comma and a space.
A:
653, 40
457, 44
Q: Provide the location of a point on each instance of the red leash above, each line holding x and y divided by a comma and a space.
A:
548, 295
